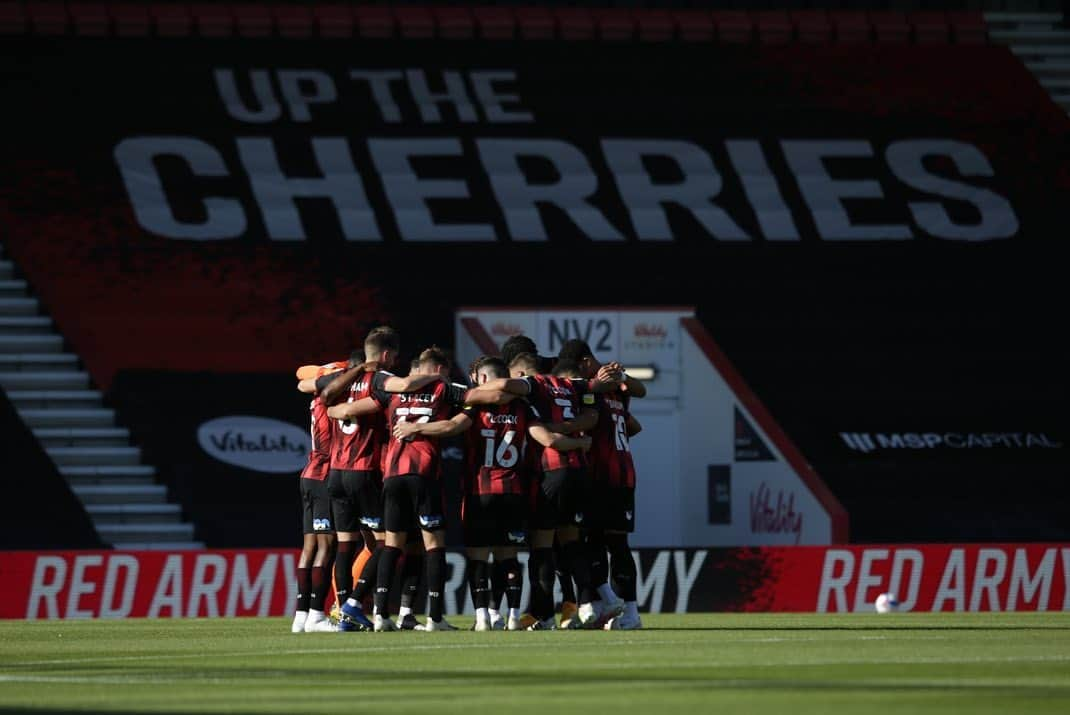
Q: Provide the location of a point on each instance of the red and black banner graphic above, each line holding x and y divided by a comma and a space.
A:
244, 205
261, 582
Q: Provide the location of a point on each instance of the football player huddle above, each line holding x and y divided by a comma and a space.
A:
547, 469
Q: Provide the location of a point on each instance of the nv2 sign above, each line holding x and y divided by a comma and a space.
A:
599, 330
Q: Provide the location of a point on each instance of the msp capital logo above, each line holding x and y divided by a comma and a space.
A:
876, 441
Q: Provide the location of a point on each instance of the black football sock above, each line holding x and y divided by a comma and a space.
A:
317, 594
368, 574
343, 569
542, 583
477, 583
411, 570
384, 576
622, 565
533, 579
436, 582
498, 584
514, 582
596, 552
304, 586
563, 569
576, 555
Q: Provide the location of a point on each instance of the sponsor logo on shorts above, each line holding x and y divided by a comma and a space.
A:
371, 523
431, 521
628, 515
579, 517
321, 524
515, 537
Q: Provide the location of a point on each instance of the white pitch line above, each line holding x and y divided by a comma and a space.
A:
313, 651
14, 668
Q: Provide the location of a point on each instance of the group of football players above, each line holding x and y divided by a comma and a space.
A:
547, 467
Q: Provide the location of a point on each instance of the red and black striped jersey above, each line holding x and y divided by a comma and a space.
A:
418, 455
358, 442
319, 457
610, 455
557, 399
497, 448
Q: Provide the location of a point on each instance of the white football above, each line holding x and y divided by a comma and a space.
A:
886, 603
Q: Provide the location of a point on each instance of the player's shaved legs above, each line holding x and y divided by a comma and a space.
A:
543, 539
478, 553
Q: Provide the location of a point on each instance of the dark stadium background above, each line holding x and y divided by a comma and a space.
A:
923, 335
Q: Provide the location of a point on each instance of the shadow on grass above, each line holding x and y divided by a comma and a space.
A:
883, 626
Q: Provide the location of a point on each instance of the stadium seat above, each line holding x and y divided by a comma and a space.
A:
968, 28
12, 19
615, 24
694, 25
774, 27
415, 23
213, 20
655, 26
455, 23
890, 28
374, 22
536, 23
171, 20
930, 28
852, 28
48, 18
129, 19
812, 26
574, 23
90, 19
735, 27
334, 20
253, 20
495, 23
293, 20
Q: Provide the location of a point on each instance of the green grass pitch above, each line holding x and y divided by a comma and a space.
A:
717, 663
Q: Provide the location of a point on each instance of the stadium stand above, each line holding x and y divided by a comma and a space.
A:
929, 338
48, 389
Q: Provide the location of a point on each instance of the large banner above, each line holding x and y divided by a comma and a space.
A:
872, 233
965, 577
249, 193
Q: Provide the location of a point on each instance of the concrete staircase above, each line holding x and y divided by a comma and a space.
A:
54, 397
1041, 43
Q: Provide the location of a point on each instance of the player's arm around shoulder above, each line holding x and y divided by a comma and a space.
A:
439, 429
349, 410
411, 383
499, 391
556, 440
